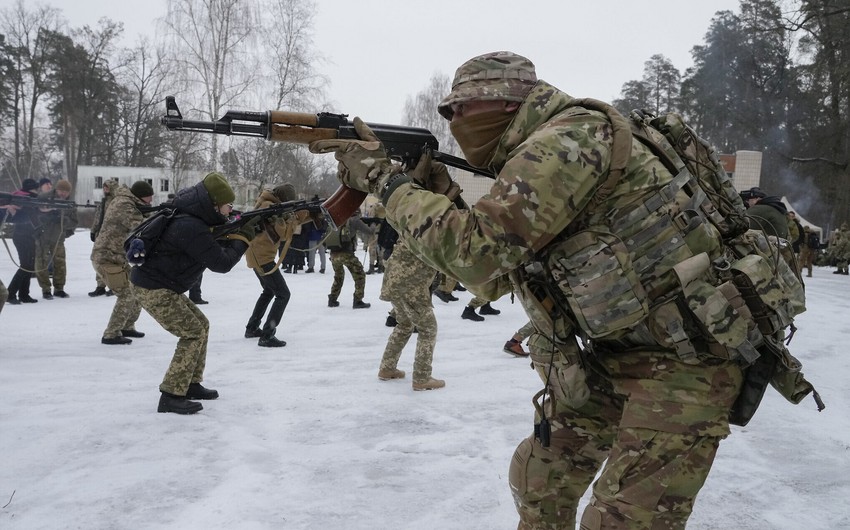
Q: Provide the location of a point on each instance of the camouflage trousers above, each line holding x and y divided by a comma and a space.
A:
806, 260
45, 253
411, 314
126, 310
182, 318
653, 420
340, 261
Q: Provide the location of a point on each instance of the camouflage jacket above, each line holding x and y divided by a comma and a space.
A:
121, 216
53, 225
541, 209
406, 277
100, 211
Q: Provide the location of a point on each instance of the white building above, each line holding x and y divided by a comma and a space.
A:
90, 179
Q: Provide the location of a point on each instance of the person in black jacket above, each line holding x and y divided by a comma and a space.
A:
184, 250
23, 237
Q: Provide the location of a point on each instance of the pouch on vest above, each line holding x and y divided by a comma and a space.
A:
594, 272
771, 289
116, 277
567, 378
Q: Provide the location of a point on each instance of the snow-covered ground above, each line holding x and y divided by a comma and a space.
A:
307, 437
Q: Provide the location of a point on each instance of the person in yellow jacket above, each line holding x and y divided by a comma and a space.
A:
261, 257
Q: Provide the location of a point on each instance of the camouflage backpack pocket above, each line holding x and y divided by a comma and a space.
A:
773, 298
716, 315
593, 270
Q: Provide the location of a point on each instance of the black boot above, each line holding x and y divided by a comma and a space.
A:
115, 340
271, 342
99, 291
360, 304
132, 333
177, 404
198, 391
444, 296
253, 333
332, 302
470, 314
487, 309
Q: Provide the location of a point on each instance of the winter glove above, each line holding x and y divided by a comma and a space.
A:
93, 237
251, 227
434, 176
136, 253
363, 164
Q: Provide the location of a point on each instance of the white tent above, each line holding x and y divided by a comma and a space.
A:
800, 218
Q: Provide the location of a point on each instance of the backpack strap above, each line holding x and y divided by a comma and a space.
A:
621, 149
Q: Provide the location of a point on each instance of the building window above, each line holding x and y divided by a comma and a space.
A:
98, 183
164, 185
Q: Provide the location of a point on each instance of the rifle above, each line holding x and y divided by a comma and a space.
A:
405, 144
238, 221
8, 199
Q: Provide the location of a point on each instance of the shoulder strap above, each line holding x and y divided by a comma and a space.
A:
621, 149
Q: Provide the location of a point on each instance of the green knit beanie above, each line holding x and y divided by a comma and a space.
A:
218, 189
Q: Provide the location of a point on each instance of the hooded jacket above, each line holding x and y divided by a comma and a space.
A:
187, 246
770, 216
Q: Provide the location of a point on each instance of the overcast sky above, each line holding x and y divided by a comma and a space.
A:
380, 52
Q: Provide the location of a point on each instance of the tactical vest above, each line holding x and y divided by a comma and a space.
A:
674, 267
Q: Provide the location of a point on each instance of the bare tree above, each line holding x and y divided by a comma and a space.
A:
210, 43
421, 111
23, 28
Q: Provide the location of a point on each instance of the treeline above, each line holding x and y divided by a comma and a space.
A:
770, 81
74, 96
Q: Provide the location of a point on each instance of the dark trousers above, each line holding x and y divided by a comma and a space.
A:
274, 286
25, 245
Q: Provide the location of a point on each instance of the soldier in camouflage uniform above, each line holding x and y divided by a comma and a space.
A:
839, 249
110, 260
55, 226
407, 282
585, 226
109, 188
185, 249
343, 257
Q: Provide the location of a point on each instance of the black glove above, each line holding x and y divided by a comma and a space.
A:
251, 228
93, 237
69, 232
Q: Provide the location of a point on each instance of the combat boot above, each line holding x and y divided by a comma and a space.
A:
115, 340
391, 321
514, 347
177, 404
198, 391
61, 294
99, 291
429, 384
487, 309
385, 374
271, 342
332, 302
445, 297
470, 314
47, 296
253, 333
132, 333
360, 304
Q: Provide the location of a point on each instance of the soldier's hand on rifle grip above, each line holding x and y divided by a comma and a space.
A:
363, 164
434, 176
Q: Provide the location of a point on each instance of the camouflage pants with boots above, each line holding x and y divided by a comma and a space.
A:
45, 253
654, 421
340, 261
181, 317
409, 315
127, 309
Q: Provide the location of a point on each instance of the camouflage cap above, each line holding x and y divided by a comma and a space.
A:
492, 76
